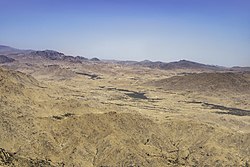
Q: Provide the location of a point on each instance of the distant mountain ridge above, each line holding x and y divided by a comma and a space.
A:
55, 55
7, 49
182, 64
44, 54
48, 54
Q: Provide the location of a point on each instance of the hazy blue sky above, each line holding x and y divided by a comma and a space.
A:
207, 31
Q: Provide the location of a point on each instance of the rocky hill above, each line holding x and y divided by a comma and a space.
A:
231, 82
5, 59
16, 88
7, 49
48, 54
9, 77
182, 64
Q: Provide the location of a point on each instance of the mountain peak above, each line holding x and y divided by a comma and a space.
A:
5, 49
49, 54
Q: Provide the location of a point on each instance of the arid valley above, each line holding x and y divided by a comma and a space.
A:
58, 110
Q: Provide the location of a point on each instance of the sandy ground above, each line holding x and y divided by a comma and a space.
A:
104, 114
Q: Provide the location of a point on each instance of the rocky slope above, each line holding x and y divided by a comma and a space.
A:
231, 82
103, 138
5, 59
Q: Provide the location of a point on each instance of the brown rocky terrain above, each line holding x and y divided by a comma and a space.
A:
95, 113
224, 81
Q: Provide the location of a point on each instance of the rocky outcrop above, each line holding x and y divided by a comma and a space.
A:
48, 54
5, 59
10, 159
94, 59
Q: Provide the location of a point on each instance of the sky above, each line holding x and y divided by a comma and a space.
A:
206, 31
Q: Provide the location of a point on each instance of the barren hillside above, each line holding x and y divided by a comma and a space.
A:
56, 112
232, 82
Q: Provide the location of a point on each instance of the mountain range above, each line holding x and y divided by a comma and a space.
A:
13, 54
